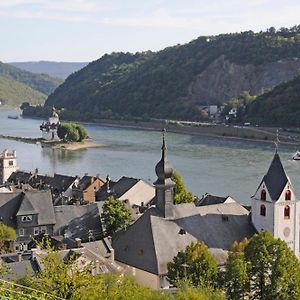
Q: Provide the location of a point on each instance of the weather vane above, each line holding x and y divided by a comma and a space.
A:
276, 142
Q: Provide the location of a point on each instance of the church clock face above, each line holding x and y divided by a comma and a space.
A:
286, 232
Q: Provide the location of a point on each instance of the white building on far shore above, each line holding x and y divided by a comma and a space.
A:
49, 129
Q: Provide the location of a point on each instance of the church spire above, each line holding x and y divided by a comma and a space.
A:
164, 186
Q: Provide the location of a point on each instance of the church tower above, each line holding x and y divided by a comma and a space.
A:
274, 206
164, 186
8, 164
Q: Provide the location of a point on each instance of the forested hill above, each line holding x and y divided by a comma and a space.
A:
280, 106
17, 86
54, 69
175, 82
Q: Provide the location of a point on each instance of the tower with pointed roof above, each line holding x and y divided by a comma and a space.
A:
164, 186
49, 129
275, 207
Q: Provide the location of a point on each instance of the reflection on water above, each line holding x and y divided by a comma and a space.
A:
207, 164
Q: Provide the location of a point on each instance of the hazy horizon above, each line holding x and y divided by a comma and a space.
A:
84, 30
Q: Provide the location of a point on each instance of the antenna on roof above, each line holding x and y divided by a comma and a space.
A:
276, 142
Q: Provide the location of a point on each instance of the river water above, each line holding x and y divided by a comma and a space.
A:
207, 164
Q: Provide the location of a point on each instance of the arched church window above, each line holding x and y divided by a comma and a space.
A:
287, 212
288, 195
263, 195
262, 210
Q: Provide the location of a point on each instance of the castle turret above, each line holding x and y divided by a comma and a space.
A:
49, 129
164, 186
8, 164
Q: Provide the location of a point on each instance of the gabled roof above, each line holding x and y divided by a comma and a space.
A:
41, 202
209, 199
86, 181
26, 207
123, 185
152, 241
9, 206
276, 178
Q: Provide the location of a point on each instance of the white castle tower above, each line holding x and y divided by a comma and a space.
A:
49, 129
8, 164
275, 206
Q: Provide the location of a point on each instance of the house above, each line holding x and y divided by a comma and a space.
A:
208, 199
86, 188
146, 246
29, 213
137, 194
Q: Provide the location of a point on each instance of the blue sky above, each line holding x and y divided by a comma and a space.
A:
84, 30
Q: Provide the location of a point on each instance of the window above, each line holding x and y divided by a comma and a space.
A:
287, 212
11, 163
263, 195
288, 195
21, 232
26, 218
43, 229
262, 210
36, 231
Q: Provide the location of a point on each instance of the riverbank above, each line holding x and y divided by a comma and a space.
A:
55, 145
248, 133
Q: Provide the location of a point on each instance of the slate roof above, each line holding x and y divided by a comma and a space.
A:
123, 185
152, 241
86, 181
77, 220
24, 203
17, 270
59, 183
209, 199
276, 178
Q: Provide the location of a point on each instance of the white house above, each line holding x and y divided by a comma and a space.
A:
8, 164
49, 129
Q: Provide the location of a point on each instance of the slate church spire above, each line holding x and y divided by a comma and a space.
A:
164, 185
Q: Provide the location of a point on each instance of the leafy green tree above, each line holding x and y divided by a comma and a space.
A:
236, 280
6, 234
195, 264
274, 270
196, 293
71, 132
81, 131
116, 216
181, 195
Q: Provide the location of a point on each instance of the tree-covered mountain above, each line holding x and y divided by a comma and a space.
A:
280, 106
52, 68
177, 81
13, 92
17, 86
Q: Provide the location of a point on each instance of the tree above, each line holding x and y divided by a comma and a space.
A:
181, 195
196, 265
116, 215
6, 234
273, 269
196, 293
71, 132
81, 131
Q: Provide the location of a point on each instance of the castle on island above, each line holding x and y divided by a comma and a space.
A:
49, 128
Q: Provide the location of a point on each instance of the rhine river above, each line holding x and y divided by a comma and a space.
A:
207, 164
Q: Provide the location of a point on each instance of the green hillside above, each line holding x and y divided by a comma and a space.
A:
177, 81
40, 82
280, 106
13, 92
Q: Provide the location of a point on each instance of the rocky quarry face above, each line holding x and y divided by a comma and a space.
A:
222, 79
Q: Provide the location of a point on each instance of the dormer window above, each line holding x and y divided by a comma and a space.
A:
26, 218
262, 210
263, 195
288, 195
287, 212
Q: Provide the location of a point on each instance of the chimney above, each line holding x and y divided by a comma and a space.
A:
112, 254
97, 267
78, 242
19, 257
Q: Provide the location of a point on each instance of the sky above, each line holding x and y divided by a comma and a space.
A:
84, 30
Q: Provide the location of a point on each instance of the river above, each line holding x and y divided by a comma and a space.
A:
207, 164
